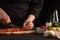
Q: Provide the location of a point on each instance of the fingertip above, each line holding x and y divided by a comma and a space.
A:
24, 25
8, 21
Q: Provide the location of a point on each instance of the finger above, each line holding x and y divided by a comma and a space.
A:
0, 16
26, 24
4, 20
30, 26
8, 20
1, 19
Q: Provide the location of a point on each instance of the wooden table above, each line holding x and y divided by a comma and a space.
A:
25, 37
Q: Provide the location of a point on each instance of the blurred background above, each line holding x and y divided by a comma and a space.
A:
48, 8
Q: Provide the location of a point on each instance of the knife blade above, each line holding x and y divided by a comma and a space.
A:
11, 25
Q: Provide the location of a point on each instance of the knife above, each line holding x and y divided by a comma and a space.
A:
11, 25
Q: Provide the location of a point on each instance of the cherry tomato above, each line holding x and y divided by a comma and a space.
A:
47, 27
1, 30
5, 30
43, 27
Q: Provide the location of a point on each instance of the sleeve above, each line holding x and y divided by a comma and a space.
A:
35, 7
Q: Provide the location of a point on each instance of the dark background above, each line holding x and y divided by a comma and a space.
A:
48, 8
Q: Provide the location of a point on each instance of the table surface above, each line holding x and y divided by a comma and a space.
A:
25, 37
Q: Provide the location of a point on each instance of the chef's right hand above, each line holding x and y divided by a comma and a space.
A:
4, 18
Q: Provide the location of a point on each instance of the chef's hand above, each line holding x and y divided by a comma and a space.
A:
28, 24
4, 18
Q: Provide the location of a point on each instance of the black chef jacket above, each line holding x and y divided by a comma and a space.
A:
18, 10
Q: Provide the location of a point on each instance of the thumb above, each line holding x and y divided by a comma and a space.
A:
8, 20
24, 24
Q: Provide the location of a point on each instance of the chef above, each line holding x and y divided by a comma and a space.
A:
20, 12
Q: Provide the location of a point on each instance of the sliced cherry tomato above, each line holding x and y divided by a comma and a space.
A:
1, 30
46, 26
16, 30
43, 27
5, 30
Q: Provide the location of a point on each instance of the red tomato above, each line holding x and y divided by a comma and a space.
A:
46, 26
1, 30
43, 27
9, 30
16, 30
5, 30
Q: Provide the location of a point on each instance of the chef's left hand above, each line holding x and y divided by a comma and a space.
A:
28, 25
